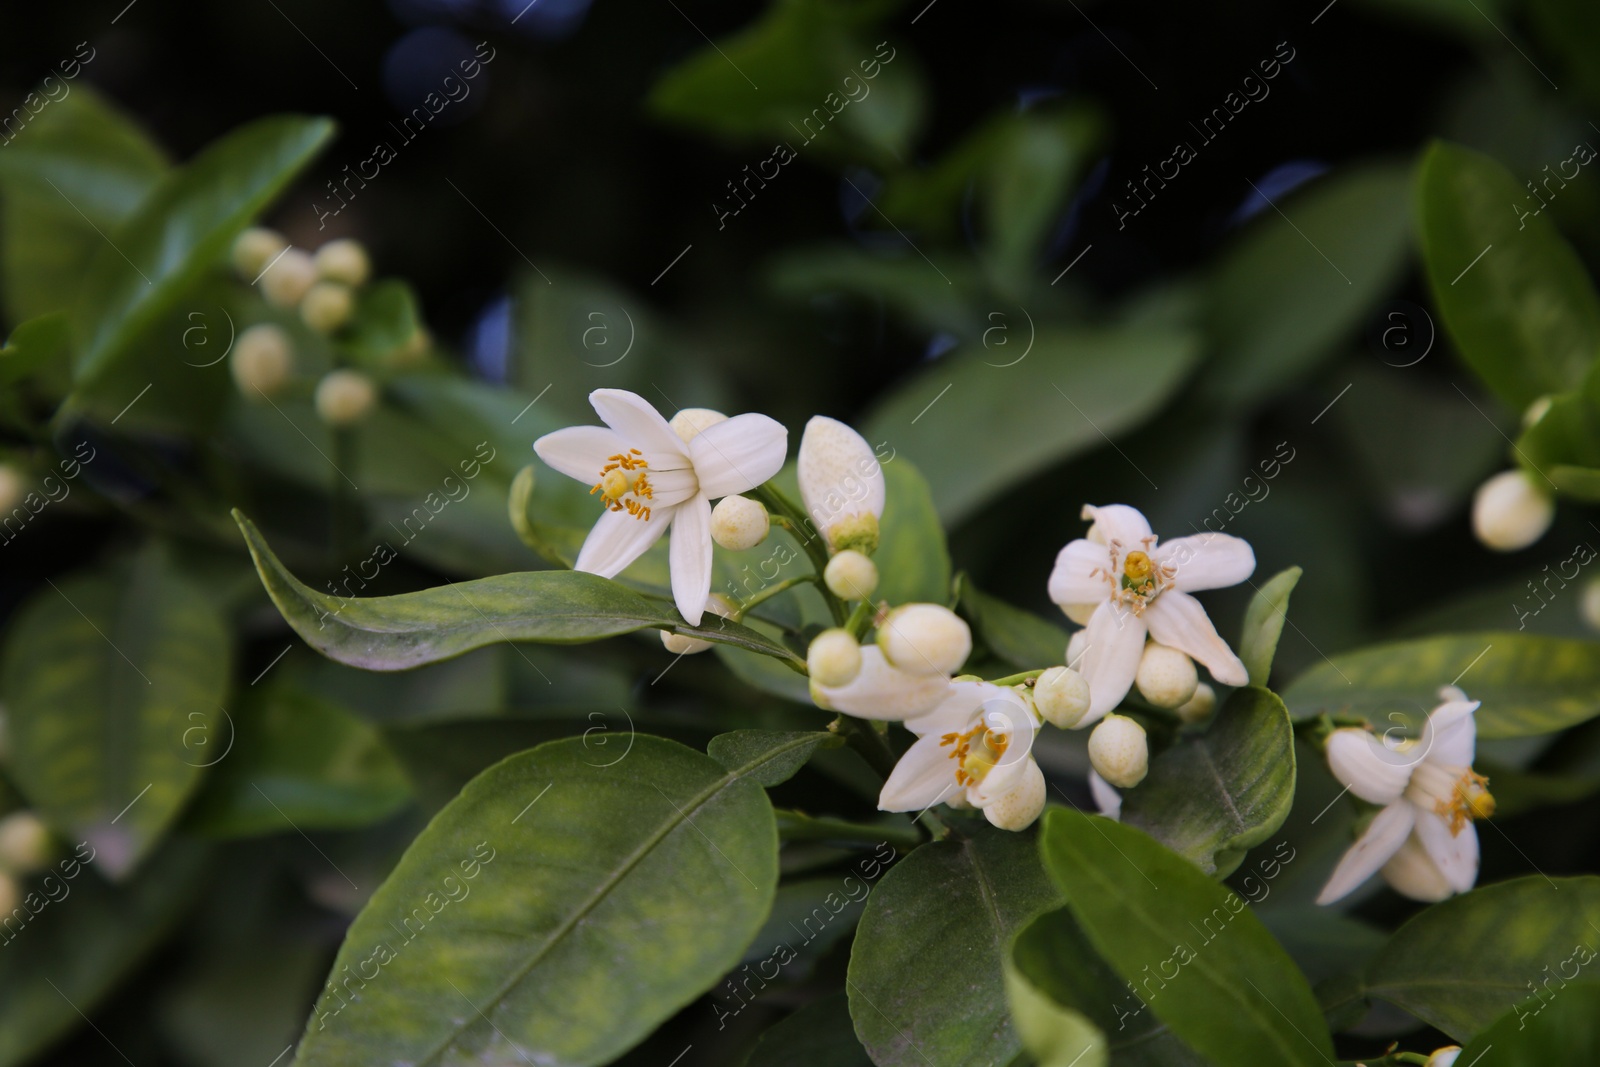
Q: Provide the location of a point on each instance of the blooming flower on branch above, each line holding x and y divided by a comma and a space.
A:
648, 478
1124, 586
1423, 840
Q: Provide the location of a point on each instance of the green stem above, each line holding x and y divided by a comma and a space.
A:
795, 826
791, 518
868, 742
1017, 679
768, 593
859, 618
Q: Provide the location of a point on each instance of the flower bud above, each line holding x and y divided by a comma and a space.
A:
738, 523
345, 261
285, 283
1118, 751
1198, 708
1166, 678
344, 397
834, 658
263, 360
688, 423
1510, 512
254, 249
1588, 604
851, 576
925, 639
11, 487
327, 306
841, 484
1447, 1056
855, 533
1062, 696
1020, 805
25, 844
679, 645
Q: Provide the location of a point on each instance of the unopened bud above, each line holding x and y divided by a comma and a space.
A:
851, 576
679, 645
1510, 512
925, 639
1019, 806
12, 487
254, 249
1062, 697
738, 523
344, 260
327, 306
287, 280
25, 844
1166, 678
857, 532
344, 397
263, 360
688, 423
1447, 1056
1119, 752
834, 658
1198, 708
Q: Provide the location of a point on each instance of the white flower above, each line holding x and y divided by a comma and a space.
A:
1423, 839
1106, 798
1510, 511
880, 691
975, 747
841, 484
1119, 583
649, 478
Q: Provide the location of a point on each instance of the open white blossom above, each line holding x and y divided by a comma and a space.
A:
974, 748
1123, 585
882, 691
841, 484
649, 478
1423, 840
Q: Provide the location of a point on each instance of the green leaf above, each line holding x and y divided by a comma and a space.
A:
386, 319
1233, 995
554, 912
298, 762
182, 229
1263, 624
1054, 1034
958, 901
1460, 964
771, 757
1568, 1027
1524, 316
1297, 284
1213, 795
818, 1035
1019, 637
106, 676
913, 561
32, 345
1033, 413
1529, 684
393, 633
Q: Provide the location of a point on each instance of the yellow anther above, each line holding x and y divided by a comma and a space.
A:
1138, 567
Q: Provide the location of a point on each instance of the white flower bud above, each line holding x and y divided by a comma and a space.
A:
841, 484
1118, 751
1447, 1056
327, 306
344, 260
679, 645
1166, 678
263, 360
344, 397
1588, 604
254, 249
688, 423
738, 523
10, 895
855, 533
851, 576
925, 639
25, 844
12, 487
1019, 806
1062, 696
834, 658
1510, 512
285, 283
1198, 708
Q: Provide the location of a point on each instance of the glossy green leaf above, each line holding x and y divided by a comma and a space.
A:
1213, 795
1560, 1024
1514, 297
183, 228
108, 678
771, 757
1529, 684
1060, 400
959, 902
1263, 624
1233, 993
1054, 1034
1019, 637
1461, 964
1298, 284
395, 632
913, 561
818, 1035
554, 912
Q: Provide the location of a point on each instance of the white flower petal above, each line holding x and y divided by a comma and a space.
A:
1412, 873
1005, 712
1382, 840
1207, 561
1081, 574
1456, 855
1106, 797
1114, 643
925, 775
1360, 761
881, 692
637, 422
1450, 734
618, 539
958, 711
1120, 523
580, 451
1080, 613
690, 556
839, 472
1175, 618
738, 454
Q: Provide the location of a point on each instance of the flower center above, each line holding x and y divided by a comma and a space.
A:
976, 752
624, 484
1136, 578
1457, 794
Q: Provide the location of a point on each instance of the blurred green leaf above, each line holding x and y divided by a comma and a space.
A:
554, 911
1263, 624
386, 319
107, 676
1561, 449
1213, 795
32, 345
960, 901
1234, 995
1053, 1033
1019, 637
1571, 30
913, 562
1569, 1034
1514, 297
818, 1034
939, 297
1528, 684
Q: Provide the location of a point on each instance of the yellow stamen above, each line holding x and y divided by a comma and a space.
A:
1137, 567
1469, 800
624, 482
